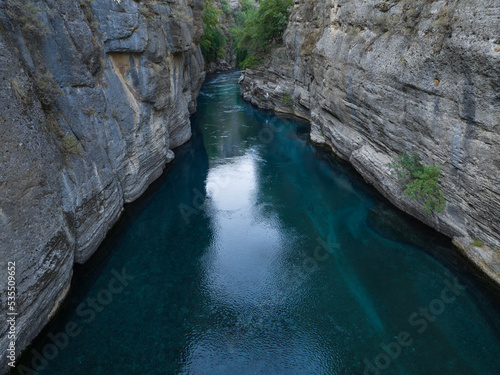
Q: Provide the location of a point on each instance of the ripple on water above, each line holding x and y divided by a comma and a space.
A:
263, 256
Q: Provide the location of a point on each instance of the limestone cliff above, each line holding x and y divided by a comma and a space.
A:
94, 97
389, 76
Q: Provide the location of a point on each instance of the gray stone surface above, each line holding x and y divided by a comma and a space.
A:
128, 76
379, 78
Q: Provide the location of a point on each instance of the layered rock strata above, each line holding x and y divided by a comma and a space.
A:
94, 97
380, 78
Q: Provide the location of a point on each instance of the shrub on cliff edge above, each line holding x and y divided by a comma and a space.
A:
420, 181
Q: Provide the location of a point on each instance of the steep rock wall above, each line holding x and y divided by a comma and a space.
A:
384, 77
94, 97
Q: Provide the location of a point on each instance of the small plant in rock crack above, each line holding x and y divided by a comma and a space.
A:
476, 242
419, 181
46, 87
286, 99
69, 145
26, 14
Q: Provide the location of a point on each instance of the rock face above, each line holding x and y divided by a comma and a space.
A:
94, 97
384, 77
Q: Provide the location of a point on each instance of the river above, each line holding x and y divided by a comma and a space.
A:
256, 253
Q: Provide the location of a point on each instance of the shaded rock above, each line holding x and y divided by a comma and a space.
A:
394, 225
89, 113
380, 78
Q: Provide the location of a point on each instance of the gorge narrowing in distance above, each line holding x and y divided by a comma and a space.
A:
327, 204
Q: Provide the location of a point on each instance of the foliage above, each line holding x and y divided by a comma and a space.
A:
256, 29
27, 14
226, 8
404, 166
46, 87
287, 99
213, 41
69, 145
476, 242
273, 19
421, 182
250, 62
247, 5
146, 12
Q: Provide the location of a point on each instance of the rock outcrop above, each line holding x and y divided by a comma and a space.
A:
94, 97
380, 78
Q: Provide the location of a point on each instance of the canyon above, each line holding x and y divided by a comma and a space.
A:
94, 97
377, 79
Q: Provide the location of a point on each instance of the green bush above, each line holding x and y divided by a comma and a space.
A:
253, 32
247, 5
250, 62
69, 145
256, 29
27, 14
226, 8
214, 40
287, 99
476, 242
272, 19
420, 181
46, 87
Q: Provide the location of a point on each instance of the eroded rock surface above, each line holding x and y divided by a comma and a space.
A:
91, 105
380, 78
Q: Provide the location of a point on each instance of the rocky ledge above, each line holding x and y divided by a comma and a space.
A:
94, 97
380, 78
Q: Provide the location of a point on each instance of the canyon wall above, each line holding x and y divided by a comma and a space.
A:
94, 97
380, 78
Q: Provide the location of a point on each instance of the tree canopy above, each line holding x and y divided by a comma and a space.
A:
257, 26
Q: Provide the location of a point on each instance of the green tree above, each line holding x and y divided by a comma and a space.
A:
226, 8
272, 19
420, 181
213, 41
256, 29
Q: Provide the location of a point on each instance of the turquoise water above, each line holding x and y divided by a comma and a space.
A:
258, 254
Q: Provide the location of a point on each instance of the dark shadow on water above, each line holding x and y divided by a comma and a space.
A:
212, 292
189, 169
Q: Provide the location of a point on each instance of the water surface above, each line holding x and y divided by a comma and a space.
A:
257, 254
